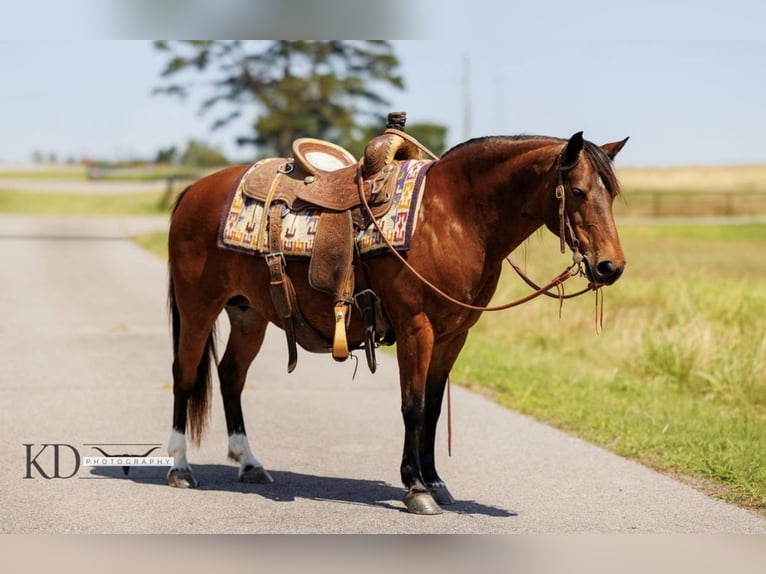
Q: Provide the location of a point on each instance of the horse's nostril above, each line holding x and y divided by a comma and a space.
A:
605, 268
607, 271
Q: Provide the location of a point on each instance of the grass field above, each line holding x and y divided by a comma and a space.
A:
737, 178
76, 172
695, 191
44, 203
677, 378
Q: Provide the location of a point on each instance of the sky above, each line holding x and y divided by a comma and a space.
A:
685, 80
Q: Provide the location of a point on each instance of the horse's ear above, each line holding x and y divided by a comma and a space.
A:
612, 149
573, 149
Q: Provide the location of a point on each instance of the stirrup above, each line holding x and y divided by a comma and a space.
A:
340, 342
365, 301
369, 349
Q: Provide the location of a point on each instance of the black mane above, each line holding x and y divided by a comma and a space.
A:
597, 156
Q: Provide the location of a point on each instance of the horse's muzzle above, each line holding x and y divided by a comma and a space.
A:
604, 272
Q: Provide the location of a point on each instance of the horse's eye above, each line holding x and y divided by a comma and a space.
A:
578, 193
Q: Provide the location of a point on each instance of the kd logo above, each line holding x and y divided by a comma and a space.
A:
50, 457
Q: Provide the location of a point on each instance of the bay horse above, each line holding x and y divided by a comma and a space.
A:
481, 200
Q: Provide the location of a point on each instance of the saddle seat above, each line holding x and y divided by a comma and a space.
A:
314, 155
326, 176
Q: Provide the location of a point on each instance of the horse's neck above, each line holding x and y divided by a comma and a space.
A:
504, 191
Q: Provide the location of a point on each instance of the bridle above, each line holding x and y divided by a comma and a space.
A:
565, 225
564, 222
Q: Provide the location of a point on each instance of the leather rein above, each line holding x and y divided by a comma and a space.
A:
557, 282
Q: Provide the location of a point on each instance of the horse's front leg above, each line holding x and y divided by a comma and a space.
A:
247, 332
442, 359
414, 355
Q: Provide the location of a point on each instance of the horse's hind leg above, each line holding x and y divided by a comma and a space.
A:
191, 382
247, 333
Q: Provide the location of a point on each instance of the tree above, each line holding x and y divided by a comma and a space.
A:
297, 88
433, 136
167, 155
199, 154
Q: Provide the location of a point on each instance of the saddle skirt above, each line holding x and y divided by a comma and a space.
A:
395, 198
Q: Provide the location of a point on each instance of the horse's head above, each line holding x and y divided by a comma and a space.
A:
586, 189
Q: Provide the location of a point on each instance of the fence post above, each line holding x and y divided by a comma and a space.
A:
656, 204
169, 184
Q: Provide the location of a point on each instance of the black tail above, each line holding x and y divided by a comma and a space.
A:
199, 400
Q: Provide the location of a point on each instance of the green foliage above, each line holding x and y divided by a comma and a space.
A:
296, 88
167, 155
199, 154
433, 136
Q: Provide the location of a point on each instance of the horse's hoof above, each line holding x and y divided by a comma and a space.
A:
441, 495
182, 478
421, 503
255, 475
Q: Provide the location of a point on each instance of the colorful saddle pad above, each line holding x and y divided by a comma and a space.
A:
241, 227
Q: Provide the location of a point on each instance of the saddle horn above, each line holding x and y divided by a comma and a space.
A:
393, 144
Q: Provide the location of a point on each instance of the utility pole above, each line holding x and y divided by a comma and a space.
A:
467, 104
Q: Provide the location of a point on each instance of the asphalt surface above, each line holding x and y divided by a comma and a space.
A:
85, 359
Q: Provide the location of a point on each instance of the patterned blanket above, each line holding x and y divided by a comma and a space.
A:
241, 221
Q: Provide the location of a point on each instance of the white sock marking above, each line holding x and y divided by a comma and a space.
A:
239, 450
177, 449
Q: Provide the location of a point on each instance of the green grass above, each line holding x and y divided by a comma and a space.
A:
42, 203
156, 242
67, 174
677, 380
109, 173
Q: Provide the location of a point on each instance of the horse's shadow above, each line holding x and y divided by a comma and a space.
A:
289, 486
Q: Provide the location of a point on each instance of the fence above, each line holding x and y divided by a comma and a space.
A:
664, 203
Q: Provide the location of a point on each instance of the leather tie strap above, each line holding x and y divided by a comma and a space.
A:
280, 286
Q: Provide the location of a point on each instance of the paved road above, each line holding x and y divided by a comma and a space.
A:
85, 358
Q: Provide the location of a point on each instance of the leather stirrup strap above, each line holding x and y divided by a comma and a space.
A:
280, 286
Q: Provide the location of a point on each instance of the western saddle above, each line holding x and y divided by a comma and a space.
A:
347, 193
